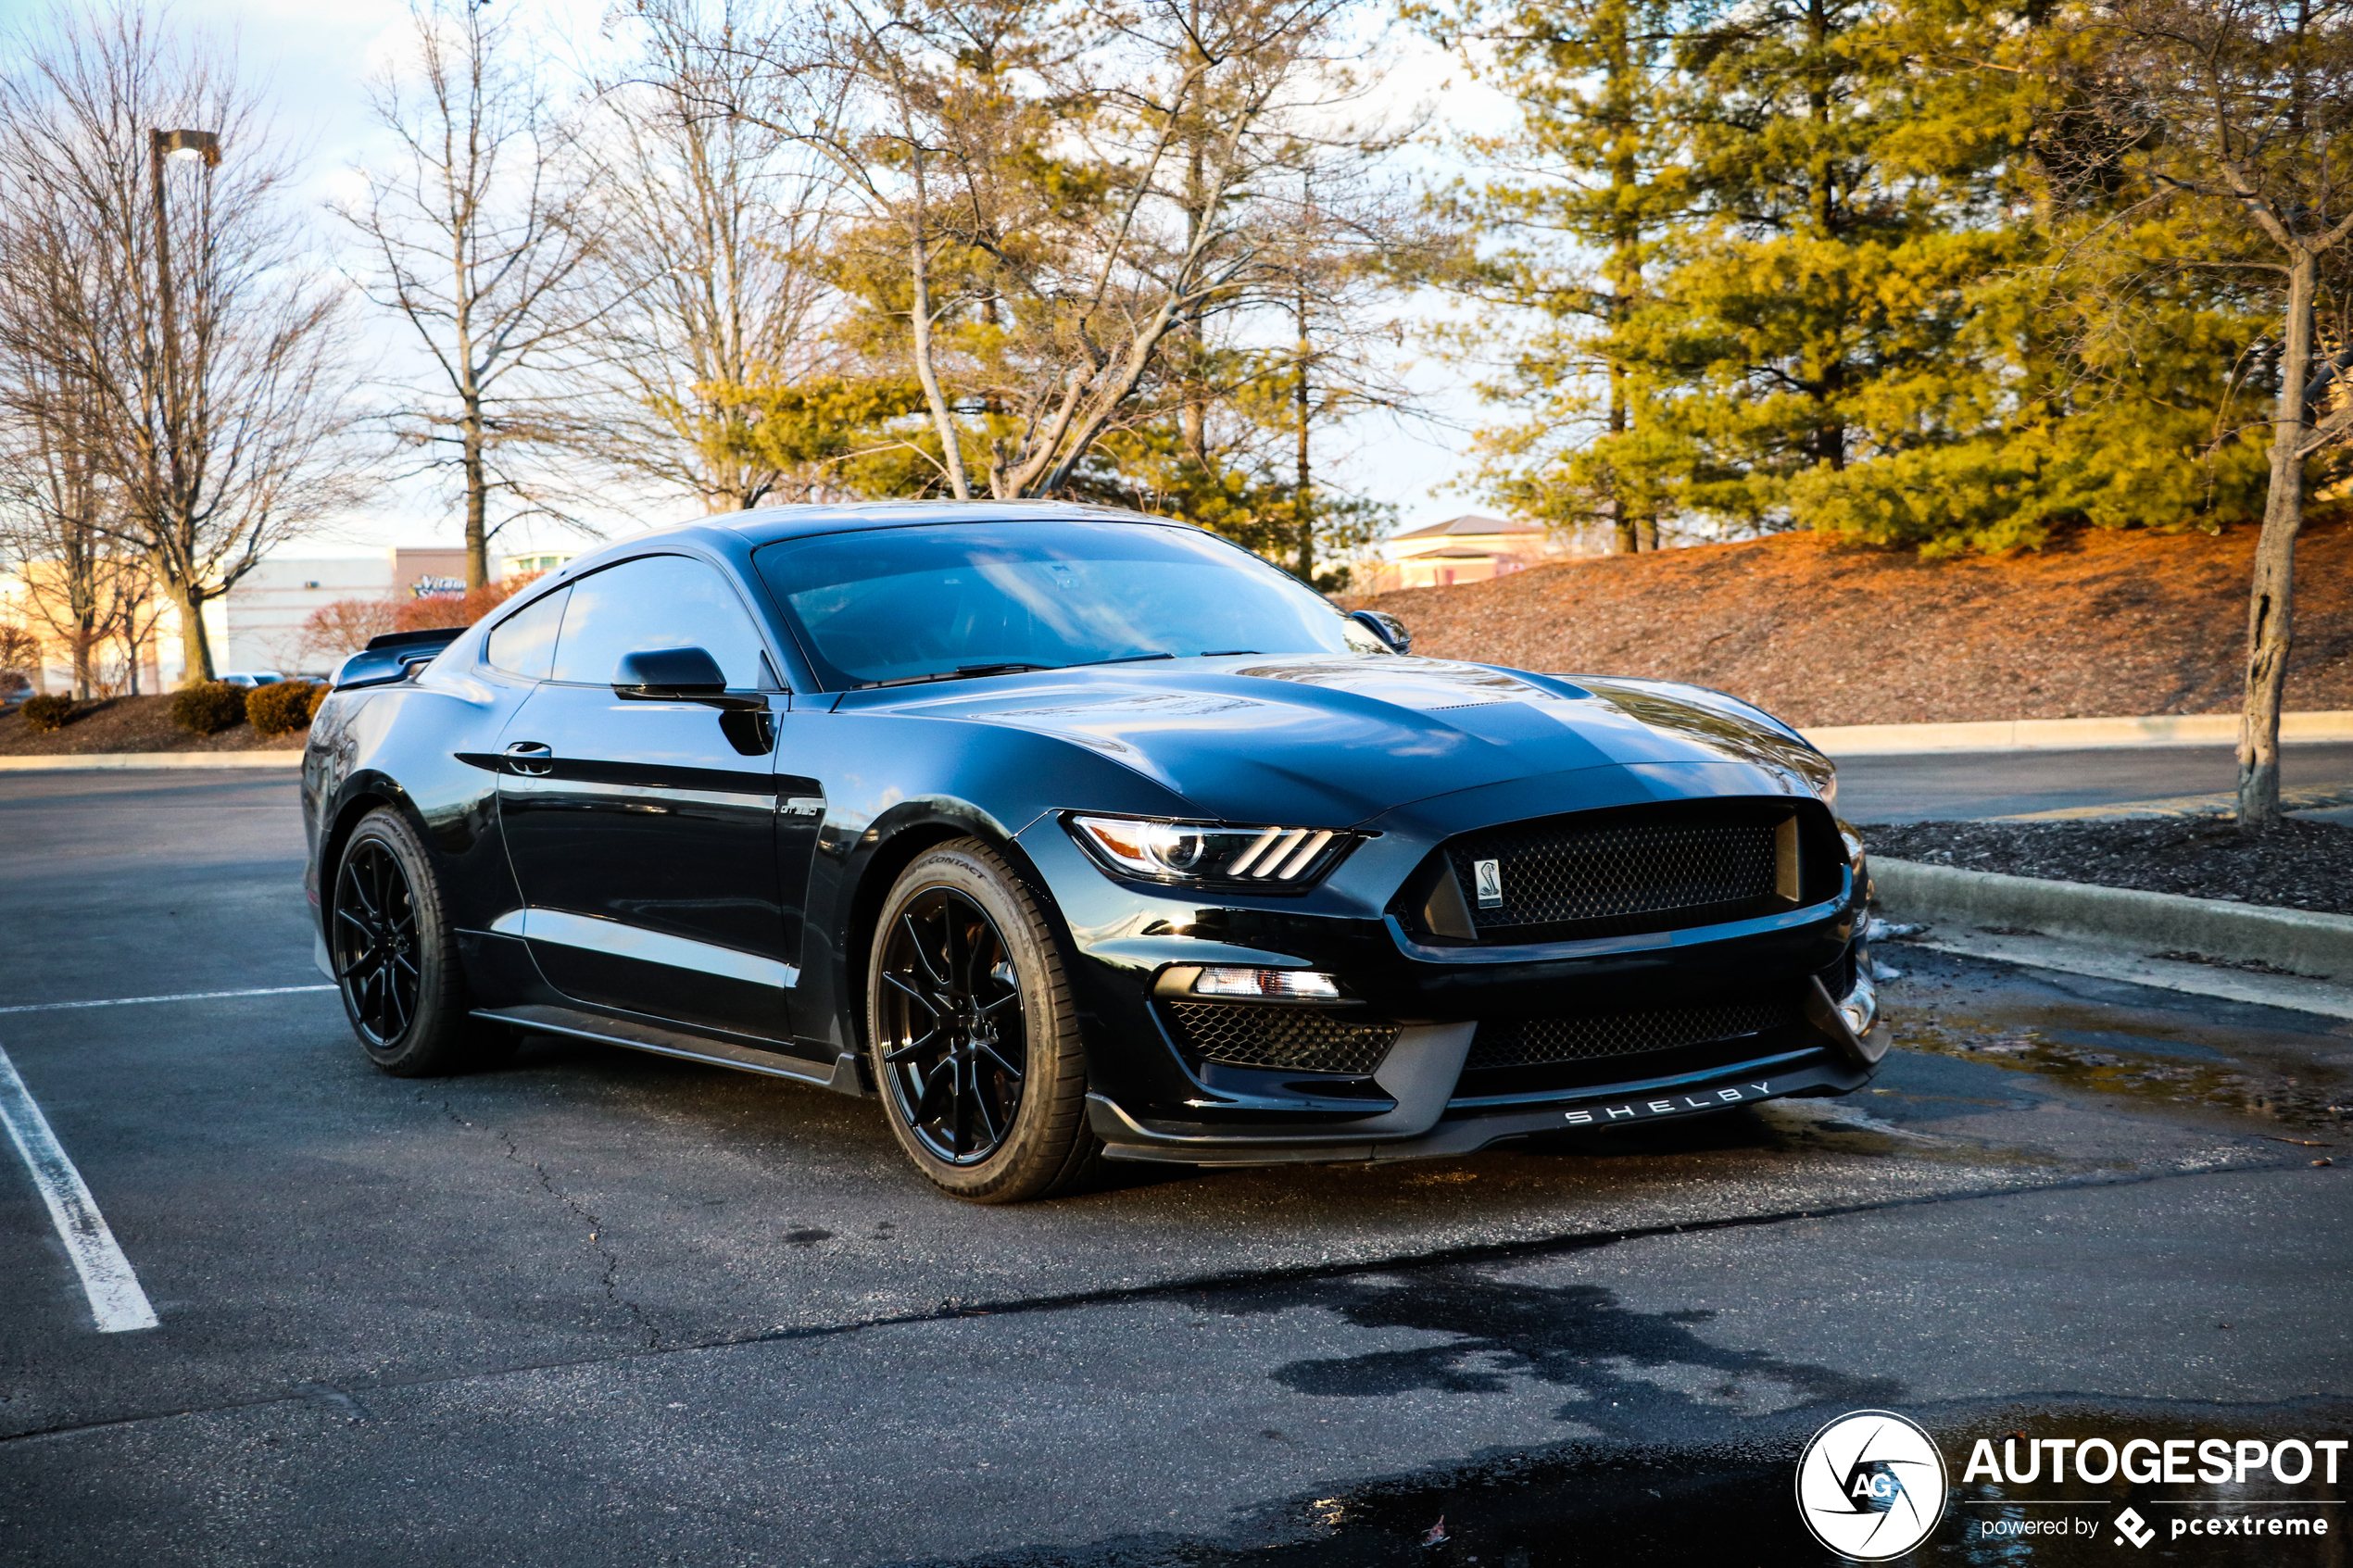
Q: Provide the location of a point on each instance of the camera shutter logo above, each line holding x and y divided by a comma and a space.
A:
1870, 1485
1490, 875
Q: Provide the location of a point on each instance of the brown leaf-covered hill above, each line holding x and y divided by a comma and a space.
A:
2101, 623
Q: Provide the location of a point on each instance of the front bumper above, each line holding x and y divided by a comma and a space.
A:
1153, 1098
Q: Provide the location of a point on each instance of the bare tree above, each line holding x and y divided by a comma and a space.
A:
50, 497
707, 284
199, 353
1053, 193
477, 237
2238, 114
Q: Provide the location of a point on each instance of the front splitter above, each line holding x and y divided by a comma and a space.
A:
1466, 1130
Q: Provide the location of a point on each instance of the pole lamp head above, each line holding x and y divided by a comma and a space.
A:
204, 144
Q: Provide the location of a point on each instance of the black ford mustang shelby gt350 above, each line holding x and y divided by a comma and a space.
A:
1069, 834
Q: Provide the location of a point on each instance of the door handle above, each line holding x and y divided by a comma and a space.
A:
531, 758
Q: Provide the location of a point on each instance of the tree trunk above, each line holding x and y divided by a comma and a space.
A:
196, 648
1624, 83
477, 500
1630, 526
2271, 598
1306, 500
943, 420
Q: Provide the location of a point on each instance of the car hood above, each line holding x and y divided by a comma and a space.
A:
1332, 740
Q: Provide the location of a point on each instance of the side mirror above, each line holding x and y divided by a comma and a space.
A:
659, 673
1385, 626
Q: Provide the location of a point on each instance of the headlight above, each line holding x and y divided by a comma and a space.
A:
1204, 853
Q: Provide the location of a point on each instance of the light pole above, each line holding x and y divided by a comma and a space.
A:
162, 145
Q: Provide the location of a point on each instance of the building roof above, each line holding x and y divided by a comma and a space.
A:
1470, 522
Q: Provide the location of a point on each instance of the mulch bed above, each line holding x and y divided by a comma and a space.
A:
2298, 865
2101, 623
129, 723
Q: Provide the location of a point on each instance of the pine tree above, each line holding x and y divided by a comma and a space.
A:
1589, 181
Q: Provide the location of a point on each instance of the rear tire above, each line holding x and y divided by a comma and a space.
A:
974, 1039
395, 954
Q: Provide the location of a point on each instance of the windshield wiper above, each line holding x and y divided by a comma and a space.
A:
963, 672
1123, 659
1009, 667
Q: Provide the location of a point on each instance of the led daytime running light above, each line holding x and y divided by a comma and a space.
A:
1205, 852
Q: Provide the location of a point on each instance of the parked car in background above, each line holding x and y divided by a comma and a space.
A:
250, 677
1070, 834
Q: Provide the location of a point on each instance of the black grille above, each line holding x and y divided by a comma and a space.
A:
1608, 873
1534, 1042
1294, 1039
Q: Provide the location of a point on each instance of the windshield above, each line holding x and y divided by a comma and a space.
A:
907, 604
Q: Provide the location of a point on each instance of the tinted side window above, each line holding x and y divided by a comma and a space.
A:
524, 644
657, 602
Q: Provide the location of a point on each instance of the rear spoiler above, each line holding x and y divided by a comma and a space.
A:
393, 657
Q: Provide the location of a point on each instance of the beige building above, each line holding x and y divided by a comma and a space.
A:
1471, 548
257, 625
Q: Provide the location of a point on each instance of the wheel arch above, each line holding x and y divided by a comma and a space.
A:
360, 796
886, 849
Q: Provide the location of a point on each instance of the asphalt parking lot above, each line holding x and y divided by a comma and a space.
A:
598, 1308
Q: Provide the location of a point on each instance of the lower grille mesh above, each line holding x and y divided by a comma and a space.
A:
1534, 1042
1294, 1039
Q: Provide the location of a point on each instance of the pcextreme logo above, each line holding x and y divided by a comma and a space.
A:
1870, 1485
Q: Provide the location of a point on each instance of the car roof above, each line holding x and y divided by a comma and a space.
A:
766, 525
737, 533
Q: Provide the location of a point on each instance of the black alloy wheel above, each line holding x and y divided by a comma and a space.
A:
375, 947
974, 1039
951, 1036
395, 954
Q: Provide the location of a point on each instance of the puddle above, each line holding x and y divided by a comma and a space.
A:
2156, 1057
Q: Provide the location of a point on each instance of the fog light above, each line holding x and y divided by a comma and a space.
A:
1267, 985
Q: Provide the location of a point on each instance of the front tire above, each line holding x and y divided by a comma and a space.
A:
395, 954
974, 1039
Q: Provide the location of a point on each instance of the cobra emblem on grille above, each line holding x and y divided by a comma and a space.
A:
1491, 882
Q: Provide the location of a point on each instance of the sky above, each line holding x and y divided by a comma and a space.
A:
314, 60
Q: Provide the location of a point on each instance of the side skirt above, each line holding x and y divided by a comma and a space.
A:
844, 1077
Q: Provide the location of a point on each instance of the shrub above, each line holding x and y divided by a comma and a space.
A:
426, 615
318, 700
44, 714
208, 706
280, 708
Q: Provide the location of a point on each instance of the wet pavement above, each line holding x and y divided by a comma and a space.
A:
1951, 786
598, 1308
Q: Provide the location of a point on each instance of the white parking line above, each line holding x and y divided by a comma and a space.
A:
175, 996
116, 1300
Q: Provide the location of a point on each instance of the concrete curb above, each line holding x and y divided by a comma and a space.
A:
2066, 734
2320, 945
70, 762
